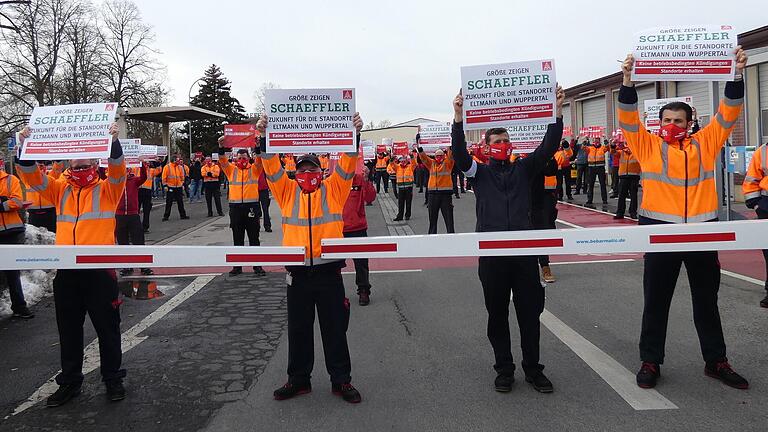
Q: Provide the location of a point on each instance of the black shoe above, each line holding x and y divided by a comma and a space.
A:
570, 198
63, 395
347, 392
648, 374
540, 382
764, 302
185, 217
258, 271
619, 216
23, 313
146, 231
289, 390
364, 298
407, 218
235, 271
397, 219
722, 371
267, 229
221, 214
458, 197
210, 215
633, 215
503, 383
147, 272
126, 272
115, 390
165, 219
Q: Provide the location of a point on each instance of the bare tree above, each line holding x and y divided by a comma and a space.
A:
369, 125
384, 123
130, 65
81, 77
261, 98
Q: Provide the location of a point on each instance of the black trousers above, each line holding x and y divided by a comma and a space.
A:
404, 200
581, 184
418, 178
628, 186
659, 279
212, 193
265, 200
457, 177
544, 216
244, 218
128, 230
43, 218
322, 290
13, 277
614, 180
518, 276
593, 173
379, 176
764, 215
145, 205
440, 202
362, 272
564, 180
174, 194
393, 179
95, 292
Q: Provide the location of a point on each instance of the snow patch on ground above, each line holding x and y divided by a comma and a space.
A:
36, 284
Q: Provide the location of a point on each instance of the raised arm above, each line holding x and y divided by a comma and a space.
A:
551, 142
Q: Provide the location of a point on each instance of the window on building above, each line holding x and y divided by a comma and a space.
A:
764, 122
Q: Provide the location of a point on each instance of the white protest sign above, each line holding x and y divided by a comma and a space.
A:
148, 152
510, 93
131, 152
70, 132
434, 135
652, 108
215, 156
685, 53
369, 149
310, 120
162, 151
526, 138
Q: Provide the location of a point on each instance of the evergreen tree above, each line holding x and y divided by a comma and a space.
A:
214, 95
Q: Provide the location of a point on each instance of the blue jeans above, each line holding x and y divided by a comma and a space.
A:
158, 190
195, 190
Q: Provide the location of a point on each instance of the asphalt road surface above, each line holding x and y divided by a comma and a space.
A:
204, 350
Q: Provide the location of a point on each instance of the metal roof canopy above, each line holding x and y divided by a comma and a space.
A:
171, 114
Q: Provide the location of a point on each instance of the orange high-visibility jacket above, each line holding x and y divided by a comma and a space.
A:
173, 175
290, 163
550, 182
151, 174
596, 155
679, 179
38, 202
405, 175
756, 181
213, 169
324, 162
382, 163
243, 183
10, 187
563, 158
628, 163
85, 216
392, 168
439, 173
312, 216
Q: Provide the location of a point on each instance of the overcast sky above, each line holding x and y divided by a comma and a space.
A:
403, 57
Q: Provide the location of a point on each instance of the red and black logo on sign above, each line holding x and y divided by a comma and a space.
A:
726, 27
546, 65
346, 94
109, 107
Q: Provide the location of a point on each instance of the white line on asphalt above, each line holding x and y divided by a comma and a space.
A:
168, 276
567, 223
611, 371
591, 209
608, 261
130, 339
386, 271
742, 277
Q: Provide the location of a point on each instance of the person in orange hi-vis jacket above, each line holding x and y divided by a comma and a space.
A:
12, 231
174, 174
755, 188
629, 181
312, 209
86, 216
439, 196
678, 173
42, 213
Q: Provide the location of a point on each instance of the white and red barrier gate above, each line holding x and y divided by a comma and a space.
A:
738, 235
21, 257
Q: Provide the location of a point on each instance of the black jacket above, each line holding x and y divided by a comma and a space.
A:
503, 189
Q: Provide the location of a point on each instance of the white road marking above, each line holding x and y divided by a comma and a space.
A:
591, 209
742, 277
169, 276
609, 261
611, 371
567, 223
130, 339
386, 271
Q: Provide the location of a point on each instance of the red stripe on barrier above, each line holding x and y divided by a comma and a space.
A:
354, 248
520, 244
241, 258
114, 259
692, 238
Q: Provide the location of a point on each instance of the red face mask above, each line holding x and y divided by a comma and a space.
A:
242, 163
500, 151
208, 163
309, 181
84, 177
404, 164
439, 159
672, 132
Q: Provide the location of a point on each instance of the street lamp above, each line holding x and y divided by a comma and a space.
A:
189, 101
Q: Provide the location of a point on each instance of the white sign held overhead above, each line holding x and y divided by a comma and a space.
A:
653, 106
434, 135
70, 132
311, 120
